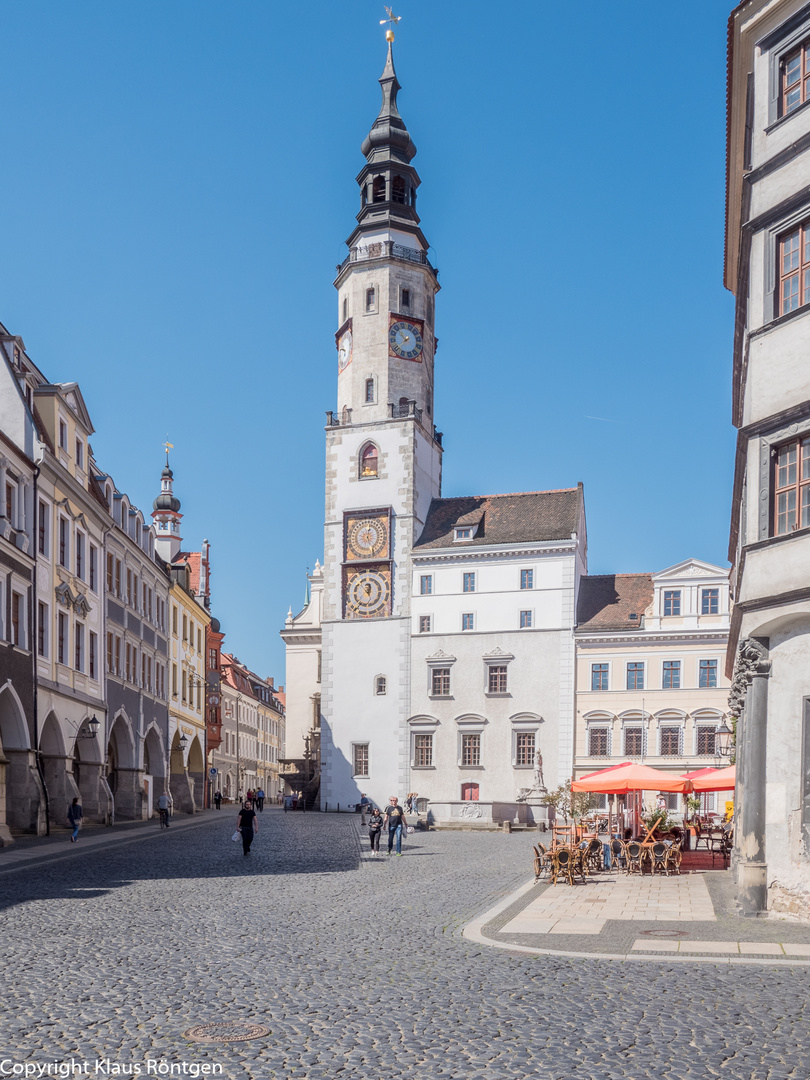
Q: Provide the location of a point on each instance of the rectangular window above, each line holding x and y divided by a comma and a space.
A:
708, 674
525, 620
118, 655
527, 579
795, 78
61, 642
371, 299
470, 750
426, 584
468, 621
635, 676
406, 299
794, 269
497, 678
110, 653
423, 751
705, 741
42, 526
16, 619
93, 566
440, 682
79, 555
424, 624
672, 675
110, 572
199, 640
62, 435
129, 586
469, 583
212, 660
174, 621
361, 759
80, 453
792, 486
144, 684
599, 676
63, 542
174, 680
464, 533
670, 742
185, 628
524, 748
135, 591
672, 601
369, 391
633, 741
128, 670
42, 629
709, 601
118, 577
91, 671
78, 641
598, 742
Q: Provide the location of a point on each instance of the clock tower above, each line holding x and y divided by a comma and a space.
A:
383, 467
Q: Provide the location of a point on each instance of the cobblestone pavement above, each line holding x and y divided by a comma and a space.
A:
356, 966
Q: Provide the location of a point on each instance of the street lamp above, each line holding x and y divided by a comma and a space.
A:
724, 740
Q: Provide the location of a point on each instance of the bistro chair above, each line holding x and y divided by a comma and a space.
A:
673, 863
594, 856
562, 865
618, 856
659, 857
635, 857
720, 844
703, 836
542, 862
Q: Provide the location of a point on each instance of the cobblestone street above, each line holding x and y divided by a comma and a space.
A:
356, 966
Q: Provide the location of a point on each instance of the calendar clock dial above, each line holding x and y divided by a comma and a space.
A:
405, 339
367, 538
368, 593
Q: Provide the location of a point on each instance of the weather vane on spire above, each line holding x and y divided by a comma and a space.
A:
168, 446
392, 20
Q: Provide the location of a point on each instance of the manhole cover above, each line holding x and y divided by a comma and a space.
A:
237, 1031
665, 933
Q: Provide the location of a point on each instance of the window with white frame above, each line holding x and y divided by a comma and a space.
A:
598, 741
470, 750
64, 542
440, 682
599, 676
527, 579
463, 532
424, 624
61, 637
634, 740
80, 540
525, 620
423, 750
78, 641
709, 601
468, 621
18, 631
42, 629
671, 675
360, 753
63, 435
496, 679
524, 749
670, 740
43, 529
672, 601
707, 674
426, 584
468, 583
705, 739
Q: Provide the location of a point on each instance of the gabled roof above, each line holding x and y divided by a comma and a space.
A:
519, 518
192, 560
606, 601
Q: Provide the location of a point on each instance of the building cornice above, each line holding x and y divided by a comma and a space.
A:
461, 553
642, 637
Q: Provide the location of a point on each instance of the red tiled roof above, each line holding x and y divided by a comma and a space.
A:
517, 518
192, 559
607, 601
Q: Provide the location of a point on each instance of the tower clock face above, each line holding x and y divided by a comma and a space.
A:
405, 339
344, 350
367, 538
368, 593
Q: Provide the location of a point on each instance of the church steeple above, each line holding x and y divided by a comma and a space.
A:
388, 181
166, 515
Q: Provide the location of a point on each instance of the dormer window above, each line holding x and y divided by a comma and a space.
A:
464, 532
368, 461
672, 601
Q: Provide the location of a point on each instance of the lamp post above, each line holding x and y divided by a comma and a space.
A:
724, 747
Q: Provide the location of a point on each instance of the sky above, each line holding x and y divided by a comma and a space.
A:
178, 181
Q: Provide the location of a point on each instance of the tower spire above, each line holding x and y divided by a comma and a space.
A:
388, 140
166, 514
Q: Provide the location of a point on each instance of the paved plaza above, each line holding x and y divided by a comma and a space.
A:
359, 969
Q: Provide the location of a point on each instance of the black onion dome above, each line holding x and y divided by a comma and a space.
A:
166, 502
215, 625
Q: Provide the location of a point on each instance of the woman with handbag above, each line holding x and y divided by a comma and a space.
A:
247, 824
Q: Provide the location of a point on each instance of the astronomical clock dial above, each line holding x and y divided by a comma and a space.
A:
405, 339
367, 538
344, 349
368, 593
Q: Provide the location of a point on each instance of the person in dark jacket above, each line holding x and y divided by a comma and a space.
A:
248, 825
75, 818
375, 824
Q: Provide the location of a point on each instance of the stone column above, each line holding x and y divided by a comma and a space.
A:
750, 683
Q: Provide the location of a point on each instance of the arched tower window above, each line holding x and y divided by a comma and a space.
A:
378, 189
368, 460
398, 190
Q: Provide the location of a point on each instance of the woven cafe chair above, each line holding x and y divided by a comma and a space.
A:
659, 857
635, 857
673, 864
618, 855
562, 865
542, 862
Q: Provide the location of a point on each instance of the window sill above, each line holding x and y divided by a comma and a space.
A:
441, 697
523, 768
424, 768
497, 693
471, 768
780, 120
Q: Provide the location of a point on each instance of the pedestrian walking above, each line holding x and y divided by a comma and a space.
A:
375, 824
75, 816
249, 796
164, 805
260, 800
394, 819
218, 800
248, 825
365, 807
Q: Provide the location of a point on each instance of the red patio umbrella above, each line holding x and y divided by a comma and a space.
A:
618, 781
719, 780
699, 772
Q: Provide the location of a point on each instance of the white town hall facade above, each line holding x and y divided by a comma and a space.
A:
436, 653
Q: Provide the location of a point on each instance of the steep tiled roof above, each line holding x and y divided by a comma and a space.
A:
192, 559
520, 518
606, 601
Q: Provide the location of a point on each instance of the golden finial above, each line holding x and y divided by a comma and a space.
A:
167, 446
392, 20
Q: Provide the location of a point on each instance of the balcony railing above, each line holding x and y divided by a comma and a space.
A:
386, 249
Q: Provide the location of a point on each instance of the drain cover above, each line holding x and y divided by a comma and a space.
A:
237, 1031
665, 933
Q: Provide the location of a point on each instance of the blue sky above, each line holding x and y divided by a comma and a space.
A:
177, 184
